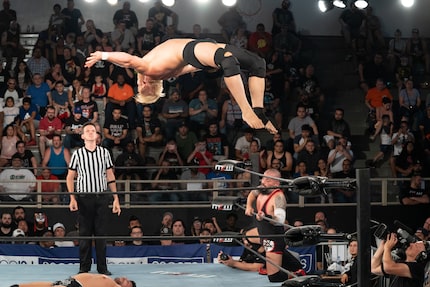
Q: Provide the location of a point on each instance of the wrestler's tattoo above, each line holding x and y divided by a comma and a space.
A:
280, 202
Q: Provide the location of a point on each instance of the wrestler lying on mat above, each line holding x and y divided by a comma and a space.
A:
84, 280
176, 57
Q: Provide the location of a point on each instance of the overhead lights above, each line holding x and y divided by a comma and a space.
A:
407, 3
229, 3
325, 5
340, 3
112, 2
168, 3
361, 4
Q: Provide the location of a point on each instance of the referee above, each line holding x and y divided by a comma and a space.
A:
92, 165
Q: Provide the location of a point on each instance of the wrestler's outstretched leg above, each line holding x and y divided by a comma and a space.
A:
256, 87
37, 284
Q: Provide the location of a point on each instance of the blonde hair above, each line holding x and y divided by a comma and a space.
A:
152, 91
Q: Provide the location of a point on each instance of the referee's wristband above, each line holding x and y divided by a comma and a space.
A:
105, 55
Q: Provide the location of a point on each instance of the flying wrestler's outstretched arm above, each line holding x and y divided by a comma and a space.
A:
119, 58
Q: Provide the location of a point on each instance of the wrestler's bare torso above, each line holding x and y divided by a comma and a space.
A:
165, 62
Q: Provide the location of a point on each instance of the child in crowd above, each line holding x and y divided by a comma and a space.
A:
10, 111
99, 91
386, 146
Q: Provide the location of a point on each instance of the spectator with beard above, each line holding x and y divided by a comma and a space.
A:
6, 229
148, 131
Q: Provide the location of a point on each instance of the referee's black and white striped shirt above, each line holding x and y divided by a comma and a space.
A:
91, 167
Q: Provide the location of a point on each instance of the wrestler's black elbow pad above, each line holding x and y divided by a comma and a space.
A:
231, 66
258, 68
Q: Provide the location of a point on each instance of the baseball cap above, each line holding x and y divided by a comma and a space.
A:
183, 124
77, 110
18, 233
58, 225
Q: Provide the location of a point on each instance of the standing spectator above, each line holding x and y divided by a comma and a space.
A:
128, 16
174, 110
73, 19
230, 21
49, 126
11, 45
352, 23
115, 130
7, 15
28, 159
49, 187
57, 158
121, 96
375, 39
94, 170
73, 129
160, 15
283, 16
17, 180
260, 42
396, 49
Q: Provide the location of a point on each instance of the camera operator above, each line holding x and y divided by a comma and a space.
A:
409, 273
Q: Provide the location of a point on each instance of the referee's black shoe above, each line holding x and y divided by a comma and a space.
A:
83, 271
105, 272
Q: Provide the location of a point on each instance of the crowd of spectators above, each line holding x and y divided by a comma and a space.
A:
46, 100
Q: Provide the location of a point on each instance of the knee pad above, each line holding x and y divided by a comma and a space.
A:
278, 277
258, 68
229, 64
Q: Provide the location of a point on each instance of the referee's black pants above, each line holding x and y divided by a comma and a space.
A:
93, 219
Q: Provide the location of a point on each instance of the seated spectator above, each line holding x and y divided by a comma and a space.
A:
47, 244
272, 100
212, 225
136, 232
407, 160
73, 129
341, 194
338, 127
396, 49
239, 38
121, 96
115, 130
12, 90
57, 158
421, 233
285, 158
410, 104
308, 83
99, 92
301, 139
28, 120
424, 125
216, 142
301, 170
243, 143
8, 145
49, 126
375, 95
148, 131
10, 112
48, 187
399, 140
60, 101
260, 42
40, 225
196, 227
270, 144
170, 154
337, 155
230, 21
28, 159
416, 193
123, 38
17, 180
417, 51
386, 146
201, 157
60, 232
202, 110
196, 189
370, 72
18, 233
127, 164
174, 111
6, 228
381, 112
403, 73
310, 155
296, 123
287, 41
205, 232
164, 173
220, 179
231, 222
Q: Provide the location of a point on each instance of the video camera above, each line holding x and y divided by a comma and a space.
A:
405, 237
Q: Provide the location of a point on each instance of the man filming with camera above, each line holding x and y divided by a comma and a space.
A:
408, 273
